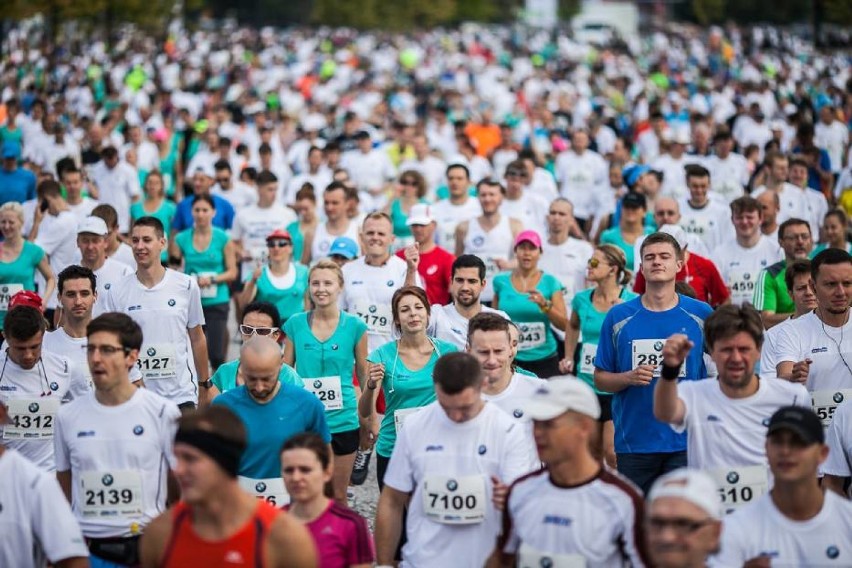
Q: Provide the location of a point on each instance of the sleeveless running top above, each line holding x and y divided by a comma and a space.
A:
244, 548
323, 239
489, 245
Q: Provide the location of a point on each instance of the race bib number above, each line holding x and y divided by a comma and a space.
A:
157, 362
742, 287
528, 557
328, 390
6, 293
207, 291
400, 416
650, 352
270, 490
378, 317
587, 358
455, 500
740, 486
31, 418
531, 335
825, 403
111, 493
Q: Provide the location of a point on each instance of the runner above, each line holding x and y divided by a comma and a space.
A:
797, 523
435, 267
701, 214
116, 248
337, 223
739, 402
582, 174
167, 305
411, 191
631, 225
562, 255
326, 345
272, 412
155, 203
458, 207
216, 523
117, 183
33, 384
683, 520
540, 525
526, 206
837, 469
305, 206
282, 281
728, 169
92, 241
770, 292
79, 203
790, 197
114, 447
628, 361
449, 468
371, 170
835, 226
769, 207
341, 535
240, 195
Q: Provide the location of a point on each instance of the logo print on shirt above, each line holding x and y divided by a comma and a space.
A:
138, 429
478, 241
260, 487
372, 309
234, 557
713, 418
54, 386
545, 562
732, 477
172, 302
33, 407
517, 413
335, 347
838, 397
390, 283
482, 449
107, 286
432, 269
107, 480
452, 485
832, 552
765, 422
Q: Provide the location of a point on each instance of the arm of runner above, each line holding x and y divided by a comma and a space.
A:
152, 546
231, 266
412, 261
49, 278
668, 407
206, 395
796, 372
572, 336
461, 233
361, 365
615, 382
199, 352
64, 479
289, 355
250, 289
389, 517
367, 402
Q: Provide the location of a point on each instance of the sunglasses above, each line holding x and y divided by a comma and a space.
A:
515, 173
594, 262
251, 330
408, 182
278, 244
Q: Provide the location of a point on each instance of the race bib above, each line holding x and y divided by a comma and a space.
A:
327, 389
528, 557
378, 317
587, 358
31, 418
825, 402
6, 293
207, 291
650, 352
531, 335
399, 416
742, 287
455, 500
739, 486
111, 493
157, 362
270, 490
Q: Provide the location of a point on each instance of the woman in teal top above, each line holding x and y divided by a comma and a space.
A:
326, 345
281, 282
412, 189
835, 225
19, 259
534, 301
607, 271
631, 225
305, 206
210, 257
404, 369
155, 204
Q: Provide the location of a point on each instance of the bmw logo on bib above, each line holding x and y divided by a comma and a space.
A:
151, 352
107, 480
658, 346
317, 384
838, 397
452, 485
373, 309
732, 477
545, 562
832, 552
138, 429
33, 407
5, 289
260, 487
172, 303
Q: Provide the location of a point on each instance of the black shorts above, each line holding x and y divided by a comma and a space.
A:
605, 400
345, 443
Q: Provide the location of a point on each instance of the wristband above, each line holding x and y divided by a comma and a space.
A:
670, 372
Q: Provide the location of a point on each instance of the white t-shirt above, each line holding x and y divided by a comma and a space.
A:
792, 202
57, 236
530, 209
832, 138
740, 267
436, 460
165, 313
251, 227
319, 180
240, 196
323, 239
124, 254
125, 448
448, 216
593, 524
830, 349
839, 440
33, 397
83, 209
674, 176
74, 348
760, 529
117, 187
520, 387
543, 184
567, 262
581, 177
111, 272
446, 323
36, 523
728, 176
711, 223
489, 246
433, 170
769, 350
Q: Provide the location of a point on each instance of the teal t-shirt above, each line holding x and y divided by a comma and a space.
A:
535, 341
298, 240
403, 387
165, 213
822, 246
290, 300
225, 377
591, 321
613, 237
18, 275
334, 357
399, 218
207, 262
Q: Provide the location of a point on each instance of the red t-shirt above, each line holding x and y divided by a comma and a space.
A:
702, 275
436, 270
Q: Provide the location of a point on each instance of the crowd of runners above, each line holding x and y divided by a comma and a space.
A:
577, 306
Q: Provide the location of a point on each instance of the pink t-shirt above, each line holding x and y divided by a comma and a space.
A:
342, 537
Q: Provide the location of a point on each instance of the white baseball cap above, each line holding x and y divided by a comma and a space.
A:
691, 485
677, 232
421, 214
561, 394
93, 225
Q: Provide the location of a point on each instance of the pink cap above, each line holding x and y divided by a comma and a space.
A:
529, 237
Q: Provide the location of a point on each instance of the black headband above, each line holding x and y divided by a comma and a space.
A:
224, 452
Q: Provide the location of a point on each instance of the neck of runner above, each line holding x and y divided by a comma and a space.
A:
740, 391
659, 296
74, 327
414, 340
746, 241
574, 471
525, 273
117, 395
558, 237
97, 265
832, 319
799, 500
337, 226
279, 267
268, 399
468, 312
311, 510
608, 289
330, 312
224, 511
376, 259
499, 385
152, 275
459, 199
427, 246
203, 230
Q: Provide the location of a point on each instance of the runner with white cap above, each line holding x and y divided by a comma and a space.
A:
92, 241
574, 511
436, 262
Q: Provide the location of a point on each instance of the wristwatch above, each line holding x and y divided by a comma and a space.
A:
206, 384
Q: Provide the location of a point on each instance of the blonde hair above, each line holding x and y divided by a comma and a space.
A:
15, 208
616, 257
326, 264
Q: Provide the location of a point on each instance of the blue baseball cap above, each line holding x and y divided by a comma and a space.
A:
345, 247
633, 172
11, 150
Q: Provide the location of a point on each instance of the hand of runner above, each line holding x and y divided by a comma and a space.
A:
801, 370
676, 349
499, 493
641, 376
376, 374
566, 366
412, 256
537, 298
256, 274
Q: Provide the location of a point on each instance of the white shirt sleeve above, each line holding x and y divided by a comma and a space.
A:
520, 457
787, 347
195, 316
53, 523
79, 382
839, 440
168, 431
686, 394
400, 472
133, 187
51, 239
60, 447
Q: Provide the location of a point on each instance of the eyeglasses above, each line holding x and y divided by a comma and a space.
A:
105, 350
681, 527
278, 244
251, 330
802, 237
516, 173
408, 182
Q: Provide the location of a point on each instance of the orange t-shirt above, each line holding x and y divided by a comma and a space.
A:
487, 137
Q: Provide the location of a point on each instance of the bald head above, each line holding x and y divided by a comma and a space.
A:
260, 364
666, 211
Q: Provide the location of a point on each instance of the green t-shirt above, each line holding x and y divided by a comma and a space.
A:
290, 300
208, 262
535, 341
165, 213
613, 237
225, 377
770, 292
298, 240
591, 322
403, 387
334, 357
18, 275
